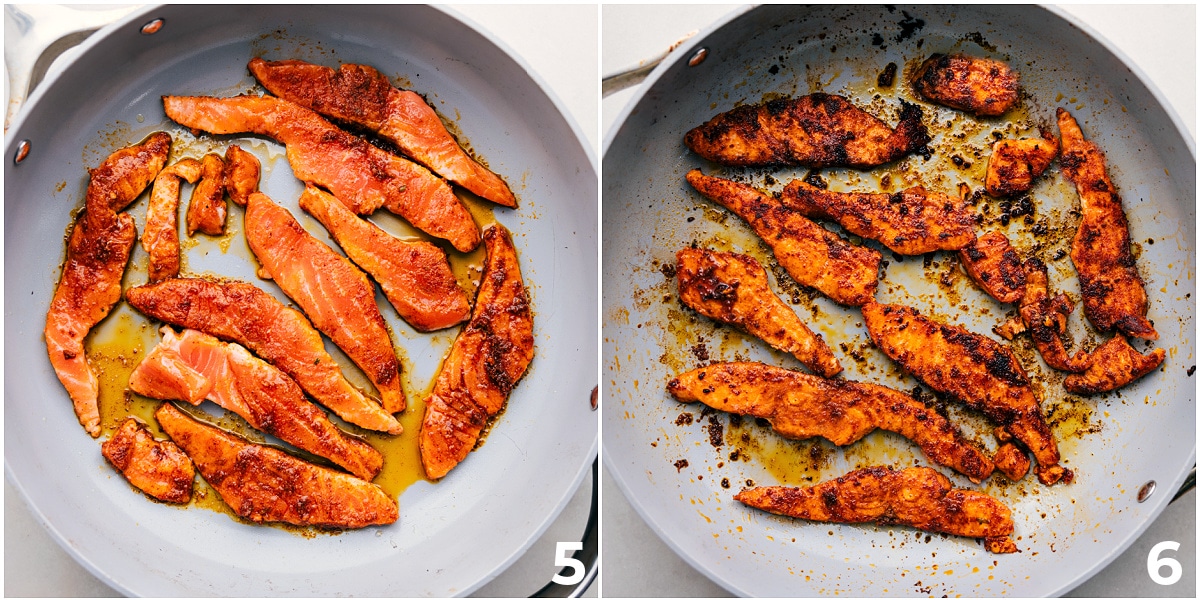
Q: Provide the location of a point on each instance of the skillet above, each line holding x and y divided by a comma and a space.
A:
748, 553
452, 536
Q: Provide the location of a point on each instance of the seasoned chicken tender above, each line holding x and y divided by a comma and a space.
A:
801, 406
732, 288
1114, 364
994, 266
485, 363
206, 210
161, 236
242, 172
975, 370
158, 468
982, 86
1113, 293
811, 254
911, 222
1014, 164
1011, 460
915, 497
1045, 318
266, 485
817, 130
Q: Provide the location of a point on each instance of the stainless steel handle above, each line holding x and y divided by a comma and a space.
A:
1189, 484
615, 82
589, 555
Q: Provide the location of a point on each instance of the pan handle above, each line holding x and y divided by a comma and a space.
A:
589, 555
1189, 484
627, 78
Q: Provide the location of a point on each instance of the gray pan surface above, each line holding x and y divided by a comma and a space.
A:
452, 536
1115, 442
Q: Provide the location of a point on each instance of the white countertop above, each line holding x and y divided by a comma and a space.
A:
560, 44
1161, 40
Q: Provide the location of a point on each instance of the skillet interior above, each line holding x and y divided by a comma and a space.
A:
452, 536
777, 51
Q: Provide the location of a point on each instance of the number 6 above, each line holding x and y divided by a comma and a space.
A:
562, 560
1154, 563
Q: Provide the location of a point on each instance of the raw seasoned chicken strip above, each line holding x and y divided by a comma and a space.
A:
801, 406
358, 173
910, 222
1113, 293
97, 251
415, 275
240, 312
360, 95
818, 130
1014, 164
971, 368
265, 485
485, 363
206, 210
1046, 320
915, 497
158, 468
811, 254
994, 266
337, 296
732, 288
161, 237
982, 86
242, 172
195, 366
1114, 364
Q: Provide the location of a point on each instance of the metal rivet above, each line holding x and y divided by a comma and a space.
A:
698, 57
22, 151
595, 392
1146, 490
152, 27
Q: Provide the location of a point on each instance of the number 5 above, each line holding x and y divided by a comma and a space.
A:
562, 560
1154, 563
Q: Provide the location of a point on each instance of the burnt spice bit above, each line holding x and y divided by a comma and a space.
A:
684, 419
680, 465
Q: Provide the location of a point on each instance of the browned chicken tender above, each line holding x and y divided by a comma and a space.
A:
911, 222
817, 130
158, 468
242, 172
1114, 364
206, 210
1011, 460
975, 370
733, 288
801, 406
811, 254
1045, 318
1113, 292
982, 86
993, 265
161, 236
915, 497
266, 485
1014, 164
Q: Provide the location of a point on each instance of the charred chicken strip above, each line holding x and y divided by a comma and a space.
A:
358, 173
915, 497
1046, 320
485, 363
982, 86
195, 366
415, 275
161, 237
971, 368
801, 406
264, 485
240, 312
1011, 460
158, 468
910, 222
98, 250
1114, 364
337, 296
994, 266
1014, 164
364, 97
1113, 293
732, 288
811, 254
242, 171
818, 130
206, 210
